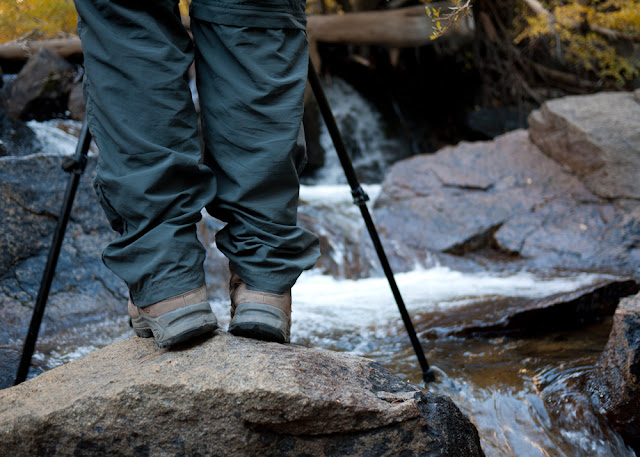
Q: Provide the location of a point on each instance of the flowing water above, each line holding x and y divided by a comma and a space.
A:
520, 392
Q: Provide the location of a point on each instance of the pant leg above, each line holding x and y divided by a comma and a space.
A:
150, 180
251, 83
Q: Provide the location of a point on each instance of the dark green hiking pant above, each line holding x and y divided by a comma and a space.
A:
153, 180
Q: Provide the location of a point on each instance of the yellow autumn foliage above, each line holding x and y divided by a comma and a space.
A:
443, 22
585, 32
41, 19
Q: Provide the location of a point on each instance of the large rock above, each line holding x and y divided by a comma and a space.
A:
228, 396
40, 91
506, 195
595, 136
615, 383
83, 292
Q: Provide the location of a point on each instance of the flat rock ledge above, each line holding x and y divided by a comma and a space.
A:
228, 396
530, 316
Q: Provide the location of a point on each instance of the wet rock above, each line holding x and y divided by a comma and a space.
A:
614, 385
596, 137
508, 197
26, 207
9, 361
41, 89
521, 315
228, 396
16, 138
83, 290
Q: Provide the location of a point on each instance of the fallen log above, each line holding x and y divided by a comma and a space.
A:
400, 28
22, 50
396, 28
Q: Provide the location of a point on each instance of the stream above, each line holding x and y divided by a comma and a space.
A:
518, 391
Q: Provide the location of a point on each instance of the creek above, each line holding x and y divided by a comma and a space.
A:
504, 384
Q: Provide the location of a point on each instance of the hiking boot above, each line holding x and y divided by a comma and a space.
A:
175, 319
257, 314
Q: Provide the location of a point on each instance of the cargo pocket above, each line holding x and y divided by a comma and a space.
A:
116, 222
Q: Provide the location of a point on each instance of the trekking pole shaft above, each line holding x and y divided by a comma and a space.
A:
52, 260
360, 199
427, 373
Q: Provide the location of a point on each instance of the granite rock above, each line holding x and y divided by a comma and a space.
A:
597, 137
508, 197
228, 396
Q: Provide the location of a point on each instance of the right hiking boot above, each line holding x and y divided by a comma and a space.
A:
175, 319
258, 314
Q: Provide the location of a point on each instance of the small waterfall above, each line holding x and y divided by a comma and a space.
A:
371, 146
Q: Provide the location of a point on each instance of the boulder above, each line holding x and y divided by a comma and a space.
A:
32, 187
506, 196
614, 385
41, 88
228, 396
597, 137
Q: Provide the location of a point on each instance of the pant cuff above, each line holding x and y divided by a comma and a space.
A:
166, 288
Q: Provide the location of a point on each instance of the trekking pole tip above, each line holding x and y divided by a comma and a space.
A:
428, 376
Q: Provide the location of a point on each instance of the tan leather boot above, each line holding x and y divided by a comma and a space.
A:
257, 314
175, 319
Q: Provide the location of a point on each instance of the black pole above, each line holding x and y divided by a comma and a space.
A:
76, 167
360, 198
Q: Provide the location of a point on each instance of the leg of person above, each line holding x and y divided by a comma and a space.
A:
251, 62
150, 180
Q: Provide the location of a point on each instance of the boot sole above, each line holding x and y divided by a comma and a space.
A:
260, 322
178, 325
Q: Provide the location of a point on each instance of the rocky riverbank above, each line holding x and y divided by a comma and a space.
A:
562, 198
522, 198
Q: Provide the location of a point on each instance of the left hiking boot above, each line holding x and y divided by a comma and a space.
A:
258, 314
175, 319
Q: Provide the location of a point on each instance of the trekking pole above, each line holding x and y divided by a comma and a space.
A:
360, 198
75, 166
